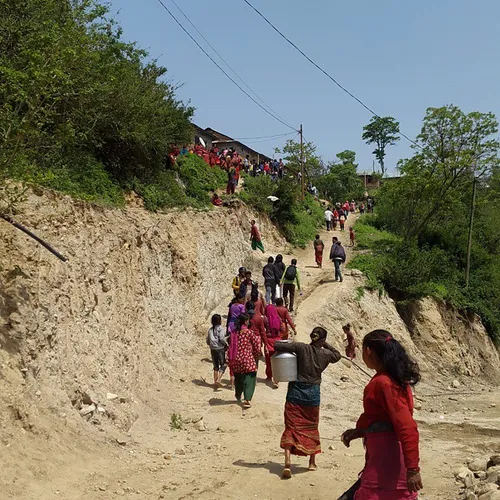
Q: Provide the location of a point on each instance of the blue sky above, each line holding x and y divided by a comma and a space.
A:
399, 57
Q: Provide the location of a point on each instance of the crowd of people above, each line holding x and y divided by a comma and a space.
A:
258, 320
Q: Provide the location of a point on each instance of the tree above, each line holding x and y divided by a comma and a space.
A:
342, 181
312, 162
383, 132
454, 148
74, 94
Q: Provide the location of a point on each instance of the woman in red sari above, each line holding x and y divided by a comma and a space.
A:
387, 425
273, 335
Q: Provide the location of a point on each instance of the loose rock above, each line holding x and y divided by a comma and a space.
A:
456, 384
87, 410
478, 465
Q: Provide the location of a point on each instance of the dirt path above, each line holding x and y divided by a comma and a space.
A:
234, 454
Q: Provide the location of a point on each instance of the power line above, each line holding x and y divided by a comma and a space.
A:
321, 69
222, 69
263, 137
235, 73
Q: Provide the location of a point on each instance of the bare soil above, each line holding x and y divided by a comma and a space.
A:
48, 451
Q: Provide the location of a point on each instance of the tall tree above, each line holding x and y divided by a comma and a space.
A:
342, 181
291, 154
383, 132
454, 148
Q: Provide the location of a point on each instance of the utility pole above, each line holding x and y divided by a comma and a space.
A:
302, 176
471, 222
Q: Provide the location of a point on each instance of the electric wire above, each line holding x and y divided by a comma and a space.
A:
235, 73
263, 137
321, 69
222, 69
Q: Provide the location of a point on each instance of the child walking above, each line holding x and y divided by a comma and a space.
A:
387, 425
342, 221
352, 236
216, 339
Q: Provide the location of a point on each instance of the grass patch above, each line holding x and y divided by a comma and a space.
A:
176, 422
83, 177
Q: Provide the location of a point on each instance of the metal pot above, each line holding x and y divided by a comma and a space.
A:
284, 366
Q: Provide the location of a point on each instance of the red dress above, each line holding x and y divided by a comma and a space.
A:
286, 321
248, 349
391, 452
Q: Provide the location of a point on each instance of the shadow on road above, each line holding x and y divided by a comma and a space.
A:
272, 467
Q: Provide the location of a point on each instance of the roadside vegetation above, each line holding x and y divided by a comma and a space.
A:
298, 220
84, 112
419, 235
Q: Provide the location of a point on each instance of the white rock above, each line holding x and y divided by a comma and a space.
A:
86, 410
478, 465
492, 495
486, 488
200, 425
493, 474
466, 476
456, 384
471, 496
110, 396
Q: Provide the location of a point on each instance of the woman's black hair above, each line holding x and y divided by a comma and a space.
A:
240, 320
279, 302
279, 258
239, 296
394, 358
250, 306
254, 295
318, 333
216, 320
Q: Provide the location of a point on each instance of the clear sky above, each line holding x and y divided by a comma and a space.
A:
398, 56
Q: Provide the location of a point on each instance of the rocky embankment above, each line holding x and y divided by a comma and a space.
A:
480, 479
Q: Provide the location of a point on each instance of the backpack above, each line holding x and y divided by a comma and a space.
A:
290, 273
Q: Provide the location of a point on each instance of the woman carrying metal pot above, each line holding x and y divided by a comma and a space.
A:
301, 435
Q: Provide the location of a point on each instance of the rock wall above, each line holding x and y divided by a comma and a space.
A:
129, 306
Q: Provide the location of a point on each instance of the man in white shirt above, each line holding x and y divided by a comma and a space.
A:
328, 218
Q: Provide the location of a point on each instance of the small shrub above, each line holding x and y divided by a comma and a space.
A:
176, 422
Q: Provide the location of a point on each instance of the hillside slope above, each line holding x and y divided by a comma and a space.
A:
121, 327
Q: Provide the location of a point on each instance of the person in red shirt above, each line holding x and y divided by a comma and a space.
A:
352, 236
286, 319
256, 238
387, 424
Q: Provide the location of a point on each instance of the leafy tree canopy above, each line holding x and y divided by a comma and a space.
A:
383, 132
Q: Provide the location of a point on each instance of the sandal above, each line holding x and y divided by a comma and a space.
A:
287, 473
247, 404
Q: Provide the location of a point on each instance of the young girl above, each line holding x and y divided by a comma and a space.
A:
350, 348
352, 236
342, 221
216, 339
387, 425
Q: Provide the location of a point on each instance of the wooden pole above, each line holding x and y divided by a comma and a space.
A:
471, 223
302, 176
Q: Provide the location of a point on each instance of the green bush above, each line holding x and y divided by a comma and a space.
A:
80, 176
199, 179
298, 221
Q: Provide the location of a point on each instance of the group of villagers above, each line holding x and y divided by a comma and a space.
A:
386, 426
